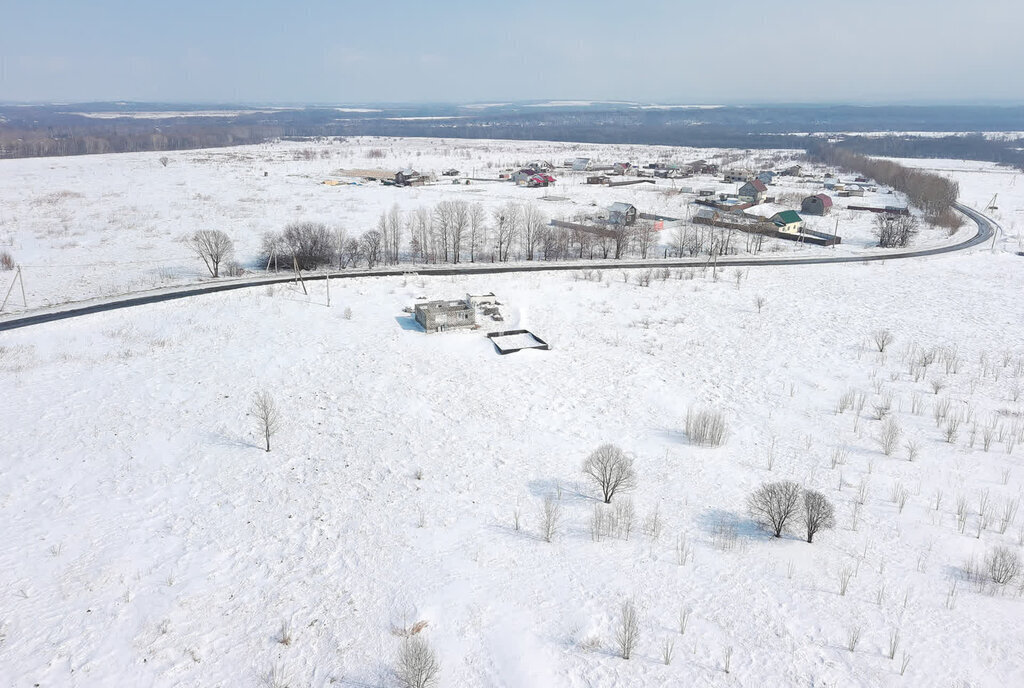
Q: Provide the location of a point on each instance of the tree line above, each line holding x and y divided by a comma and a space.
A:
455, 232
931, 193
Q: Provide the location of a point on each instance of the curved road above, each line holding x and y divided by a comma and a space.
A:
986, 229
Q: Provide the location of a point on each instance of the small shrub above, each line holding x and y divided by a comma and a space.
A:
628, 632
1002, 565
706, 427
550, 516
6, 260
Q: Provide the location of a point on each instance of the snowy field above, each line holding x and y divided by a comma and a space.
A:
147, 539
96, 226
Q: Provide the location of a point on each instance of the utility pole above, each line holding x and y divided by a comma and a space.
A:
298, 275
17, 278
328, 288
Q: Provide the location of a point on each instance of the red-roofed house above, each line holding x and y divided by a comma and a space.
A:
753, 191
819, 204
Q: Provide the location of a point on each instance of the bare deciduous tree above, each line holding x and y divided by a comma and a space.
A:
774, 505
213, 246
164, 160
417, 665
627, 634
1002, 565
477, 230
550, 517
370, 246
267, 415
611, 470
506, 227
311, 244
819, 514
882, 338
889, 436
895, 230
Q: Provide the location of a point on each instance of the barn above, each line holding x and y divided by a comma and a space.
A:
819, 204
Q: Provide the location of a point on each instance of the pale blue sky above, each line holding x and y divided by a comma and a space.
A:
459, 51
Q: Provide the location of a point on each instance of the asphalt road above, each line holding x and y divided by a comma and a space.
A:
986, 228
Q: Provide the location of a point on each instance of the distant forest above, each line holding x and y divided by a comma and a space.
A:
49, 130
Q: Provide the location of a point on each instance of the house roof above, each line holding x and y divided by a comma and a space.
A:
619, 207
787, 217
826, 200
757, 184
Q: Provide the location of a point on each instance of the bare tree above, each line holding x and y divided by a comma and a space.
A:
370, 247
1002, 565
506, 226
444, 219
267, 415
894, 230
350, 253
774, 505
532, 229
417, 665
646, 237
889, 436
550, 517
164, 160
477, 230
627, 634
883, 338
819, 514
393, 235
611, 470
459, 224
213, 246
310, 243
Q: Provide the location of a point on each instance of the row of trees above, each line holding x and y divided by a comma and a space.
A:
931, 193
458, 232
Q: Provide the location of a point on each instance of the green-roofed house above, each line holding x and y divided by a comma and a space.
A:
788, 221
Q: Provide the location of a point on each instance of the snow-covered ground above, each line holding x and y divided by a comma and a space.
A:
147, 539
94, 226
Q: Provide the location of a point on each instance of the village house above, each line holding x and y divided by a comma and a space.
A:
438, 316
766, 177
408, 177
702, 167
581, 164
819, 204
598, 179
622, 214
737, 176
753, 191
788, 221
